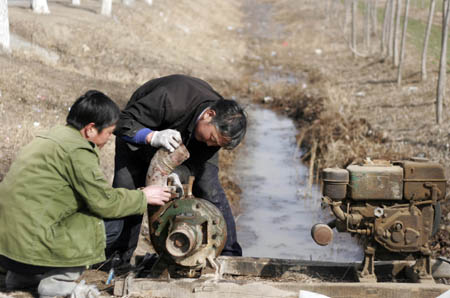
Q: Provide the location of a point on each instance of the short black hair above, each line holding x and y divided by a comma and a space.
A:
230, 121
96, 107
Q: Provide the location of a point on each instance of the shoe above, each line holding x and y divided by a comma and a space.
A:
59, 282
15, 281
81, 290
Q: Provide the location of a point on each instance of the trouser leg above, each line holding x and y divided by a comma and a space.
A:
122, 235
20, 275
50, 281
207, 186
113, 230
59, 282
14, 281
130, 169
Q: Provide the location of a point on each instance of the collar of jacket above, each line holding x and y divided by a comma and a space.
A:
201, 107
66, 133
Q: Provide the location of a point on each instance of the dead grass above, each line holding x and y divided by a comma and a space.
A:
113, 55
350, 107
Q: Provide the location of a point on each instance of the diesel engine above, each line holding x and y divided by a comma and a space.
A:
393, 206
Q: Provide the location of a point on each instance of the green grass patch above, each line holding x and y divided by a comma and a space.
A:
416, 30
416, 35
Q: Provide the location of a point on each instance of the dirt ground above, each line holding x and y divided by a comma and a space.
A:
286, 51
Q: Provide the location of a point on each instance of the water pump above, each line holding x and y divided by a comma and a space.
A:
187, 233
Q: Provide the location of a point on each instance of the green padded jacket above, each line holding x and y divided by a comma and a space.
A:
53, 199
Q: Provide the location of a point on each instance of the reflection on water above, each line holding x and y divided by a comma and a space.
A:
276, 217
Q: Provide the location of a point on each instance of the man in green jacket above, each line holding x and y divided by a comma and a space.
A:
55, 196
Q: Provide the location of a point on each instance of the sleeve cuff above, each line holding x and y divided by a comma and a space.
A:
139, 137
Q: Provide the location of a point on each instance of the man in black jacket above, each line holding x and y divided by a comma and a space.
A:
163, 113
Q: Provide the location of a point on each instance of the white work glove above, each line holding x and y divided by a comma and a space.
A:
168, 138
177, 183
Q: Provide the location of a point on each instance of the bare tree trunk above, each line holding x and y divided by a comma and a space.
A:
4, 26
40, 6
354, 4
402, 47
333, 8
443, 62
106, 7
374, 16
127, 2
327, 11
347, 15
426, 39
385, 31
367, 25
391, 28
396, 32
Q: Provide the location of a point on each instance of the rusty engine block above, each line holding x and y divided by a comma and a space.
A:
393, 206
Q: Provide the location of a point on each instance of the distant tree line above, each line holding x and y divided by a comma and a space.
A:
391, 33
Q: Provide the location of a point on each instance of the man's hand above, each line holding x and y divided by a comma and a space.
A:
156, 195
177, 183
168, 138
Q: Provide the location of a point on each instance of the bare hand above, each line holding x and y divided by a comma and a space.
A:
156, 195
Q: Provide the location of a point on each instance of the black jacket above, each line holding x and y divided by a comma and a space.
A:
172, 102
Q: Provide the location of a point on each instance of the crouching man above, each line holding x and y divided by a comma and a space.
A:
165, 112
54, 198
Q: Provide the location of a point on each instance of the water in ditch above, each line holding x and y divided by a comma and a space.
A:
277, 208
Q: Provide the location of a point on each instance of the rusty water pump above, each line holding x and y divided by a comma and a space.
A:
393, 206
187, 233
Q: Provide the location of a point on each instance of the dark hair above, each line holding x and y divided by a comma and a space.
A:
230, 121
96, 107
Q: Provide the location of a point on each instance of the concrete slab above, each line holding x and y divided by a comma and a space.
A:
266, 277
201, 288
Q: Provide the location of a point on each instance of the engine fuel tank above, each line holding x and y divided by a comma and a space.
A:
375, 182
418, 174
